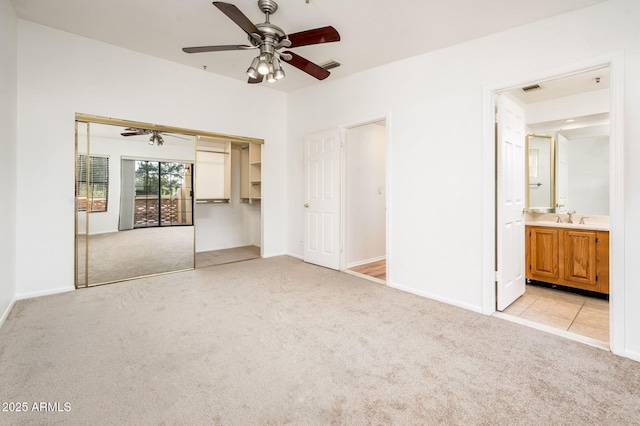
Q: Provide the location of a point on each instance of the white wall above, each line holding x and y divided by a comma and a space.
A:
589, 175
60, 74
8, 165
222, 226
435, 138
365, 194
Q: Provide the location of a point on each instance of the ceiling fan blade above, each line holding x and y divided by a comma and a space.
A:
239, 18
315, 36
132, 131
256, 80
201, 49
306, 66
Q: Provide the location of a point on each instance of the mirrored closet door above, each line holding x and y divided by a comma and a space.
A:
134, 202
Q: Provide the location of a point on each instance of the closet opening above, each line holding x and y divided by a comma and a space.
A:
228, 201
147, 195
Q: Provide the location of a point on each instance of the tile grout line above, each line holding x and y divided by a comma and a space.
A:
530, 305
577, 313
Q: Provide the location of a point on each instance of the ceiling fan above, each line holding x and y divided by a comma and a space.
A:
271, 40
156, 135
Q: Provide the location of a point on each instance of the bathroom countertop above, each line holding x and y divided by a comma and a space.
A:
585, 226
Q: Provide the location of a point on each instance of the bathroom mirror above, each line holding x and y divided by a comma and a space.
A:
579, 177
134, 203
540, 173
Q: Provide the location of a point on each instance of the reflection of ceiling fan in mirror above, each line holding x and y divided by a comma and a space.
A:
270, 40
156, 135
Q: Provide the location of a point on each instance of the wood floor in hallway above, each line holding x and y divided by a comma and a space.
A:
376, 269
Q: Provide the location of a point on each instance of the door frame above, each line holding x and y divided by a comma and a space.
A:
343, 185
615, 62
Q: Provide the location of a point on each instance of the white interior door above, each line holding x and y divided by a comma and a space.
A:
562, 174
510, 277
322, 198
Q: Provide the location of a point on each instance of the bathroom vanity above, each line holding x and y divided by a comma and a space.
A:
572, 255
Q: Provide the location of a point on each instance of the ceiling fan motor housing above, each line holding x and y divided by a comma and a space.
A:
268, 6
272, 36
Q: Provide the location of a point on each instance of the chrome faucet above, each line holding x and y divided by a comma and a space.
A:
570, 214
582, 220
557, 219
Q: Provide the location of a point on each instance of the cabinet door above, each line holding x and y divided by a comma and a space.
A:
543, 254
580, 258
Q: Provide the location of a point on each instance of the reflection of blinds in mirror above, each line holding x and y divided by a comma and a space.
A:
92, 188
210, 175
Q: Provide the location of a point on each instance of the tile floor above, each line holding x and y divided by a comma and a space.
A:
571, 312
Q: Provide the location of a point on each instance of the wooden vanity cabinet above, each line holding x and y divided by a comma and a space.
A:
570, 257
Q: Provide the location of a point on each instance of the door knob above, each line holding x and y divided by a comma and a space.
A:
306, 206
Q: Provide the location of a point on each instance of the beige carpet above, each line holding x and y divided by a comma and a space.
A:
220, 257
278, 341
134, 253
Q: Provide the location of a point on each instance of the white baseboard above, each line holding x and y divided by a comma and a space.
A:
294, 255
364, 262
268, 255
633, 355
33, 294
7, 311
428, 295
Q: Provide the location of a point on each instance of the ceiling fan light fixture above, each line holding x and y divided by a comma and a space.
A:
263, 65
252, 71
278, 73
271, 78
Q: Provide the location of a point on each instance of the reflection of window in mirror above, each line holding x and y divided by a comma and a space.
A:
93, 196
533, 163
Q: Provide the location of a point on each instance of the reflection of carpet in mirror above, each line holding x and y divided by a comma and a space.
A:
122, 255
219, 257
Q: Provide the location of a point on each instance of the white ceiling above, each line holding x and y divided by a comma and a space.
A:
597, 79
373, 32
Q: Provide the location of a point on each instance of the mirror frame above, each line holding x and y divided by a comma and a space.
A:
552, 175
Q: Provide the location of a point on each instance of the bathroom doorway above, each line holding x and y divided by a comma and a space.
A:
365, 189
574, 110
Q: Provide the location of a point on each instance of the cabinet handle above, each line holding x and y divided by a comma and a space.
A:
306, 206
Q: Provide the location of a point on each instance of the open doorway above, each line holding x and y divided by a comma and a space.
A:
566, 208
365, 252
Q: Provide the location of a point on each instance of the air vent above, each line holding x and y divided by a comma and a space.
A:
331, 64
531, 88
